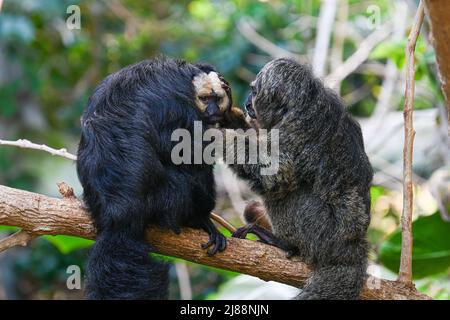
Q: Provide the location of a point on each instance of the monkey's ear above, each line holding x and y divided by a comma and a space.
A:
205, 67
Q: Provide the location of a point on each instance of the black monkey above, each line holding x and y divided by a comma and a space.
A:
125, 167
318, 202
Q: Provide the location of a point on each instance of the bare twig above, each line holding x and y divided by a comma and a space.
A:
262, 43
324, 30
405, 273
66, 191
223, 222
39, 214
337, 50
23, 143
20, 238
390, 74
359, 56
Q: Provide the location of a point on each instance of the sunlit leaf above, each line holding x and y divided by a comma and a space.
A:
66, 244
431, 247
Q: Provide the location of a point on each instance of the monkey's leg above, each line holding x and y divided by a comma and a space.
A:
264, 236
216, 239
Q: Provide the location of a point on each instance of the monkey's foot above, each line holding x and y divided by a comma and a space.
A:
216, 239
290, 252
264, 235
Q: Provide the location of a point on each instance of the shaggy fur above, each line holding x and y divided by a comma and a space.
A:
318, 202
124, 165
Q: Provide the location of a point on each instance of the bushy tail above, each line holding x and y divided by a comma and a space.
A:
119, 268
337, 282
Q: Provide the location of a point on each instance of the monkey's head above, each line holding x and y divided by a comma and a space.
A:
280, 86
212, 94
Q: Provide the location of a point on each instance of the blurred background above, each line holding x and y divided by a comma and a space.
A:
50, 63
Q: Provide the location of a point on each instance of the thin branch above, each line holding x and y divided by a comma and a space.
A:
262, 43
23, 143
39, 214
66, 191
324, 30
359, 56
405, 273
390, 74
337, 50
223, 222
20, 238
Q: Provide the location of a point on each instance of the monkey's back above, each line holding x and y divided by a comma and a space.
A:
124, 156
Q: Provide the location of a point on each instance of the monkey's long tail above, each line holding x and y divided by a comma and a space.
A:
335, 282
119, 267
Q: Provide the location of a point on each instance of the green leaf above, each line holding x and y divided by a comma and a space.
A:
394, 51
8, 228
376, 192
67, 244
431, 247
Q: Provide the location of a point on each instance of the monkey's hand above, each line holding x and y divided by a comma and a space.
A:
235, 118
216, 239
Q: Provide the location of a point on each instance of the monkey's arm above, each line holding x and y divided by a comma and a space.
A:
266, 173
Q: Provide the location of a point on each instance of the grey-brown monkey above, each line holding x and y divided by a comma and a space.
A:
318, 202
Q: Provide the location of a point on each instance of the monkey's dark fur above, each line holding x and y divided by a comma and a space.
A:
319, 201
125, 167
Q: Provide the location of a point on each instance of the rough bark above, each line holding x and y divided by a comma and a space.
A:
38, 215
438, 12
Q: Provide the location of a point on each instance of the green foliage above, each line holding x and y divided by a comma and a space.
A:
395, 51
8, 228
67, 244
43, 265
431, 249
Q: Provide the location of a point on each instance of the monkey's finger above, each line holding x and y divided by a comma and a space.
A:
208, 244
223, 243
215, 248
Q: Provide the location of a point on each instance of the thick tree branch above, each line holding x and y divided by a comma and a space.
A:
405, 274
38, 214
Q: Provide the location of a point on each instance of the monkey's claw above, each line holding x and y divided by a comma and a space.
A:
216, 239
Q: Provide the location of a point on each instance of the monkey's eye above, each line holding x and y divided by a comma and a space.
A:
204, 99
219, 99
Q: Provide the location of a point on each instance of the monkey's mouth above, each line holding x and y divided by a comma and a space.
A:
250, 110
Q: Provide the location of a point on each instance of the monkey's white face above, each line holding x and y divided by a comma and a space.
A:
211, 97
